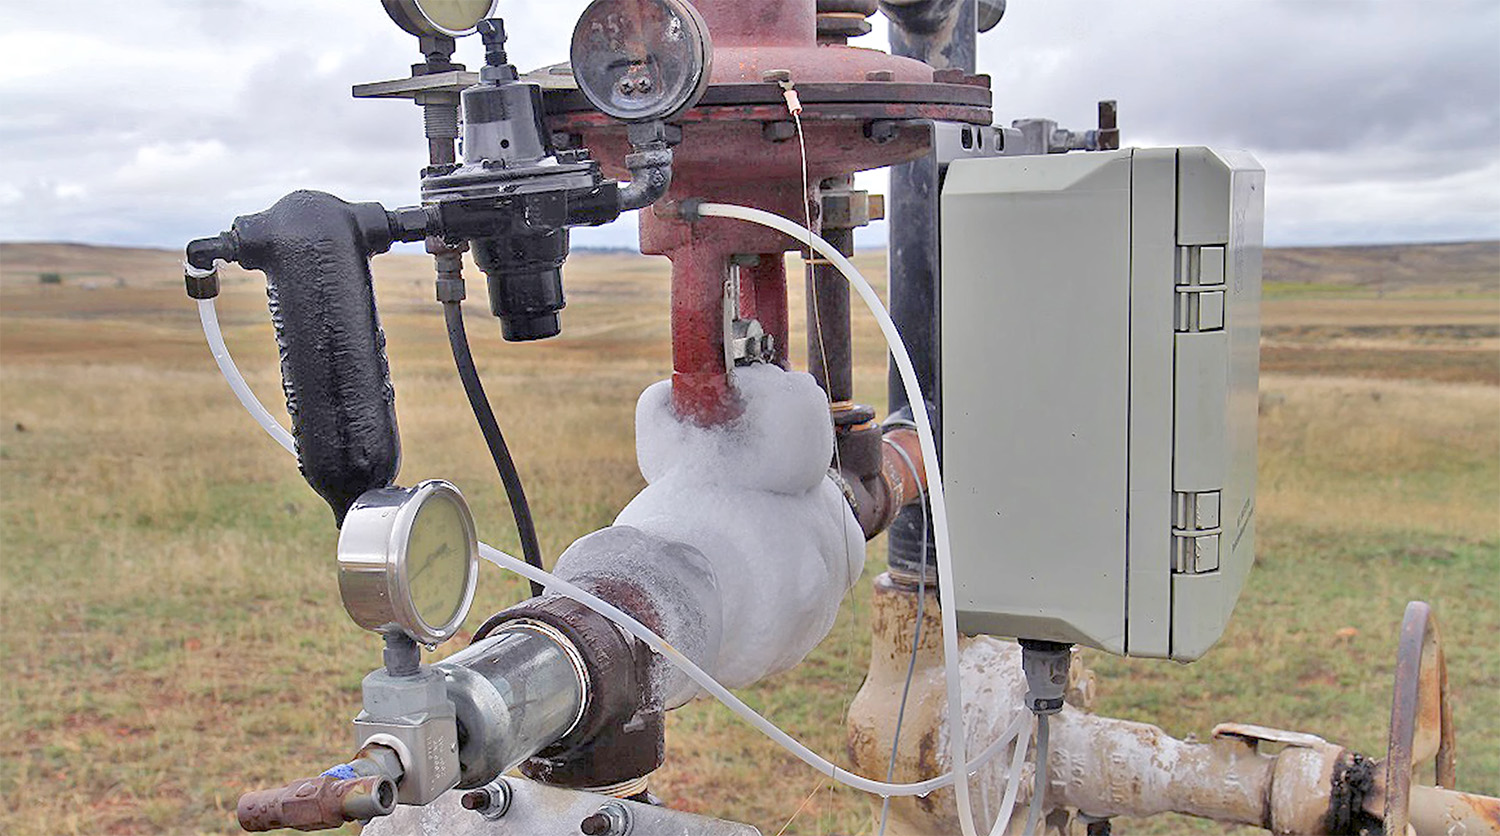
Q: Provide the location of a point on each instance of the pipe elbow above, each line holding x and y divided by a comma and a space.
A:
650, 177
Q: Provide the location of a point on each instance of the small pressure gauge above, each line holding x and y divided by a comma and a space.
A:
641, 60
408, 559
453, 18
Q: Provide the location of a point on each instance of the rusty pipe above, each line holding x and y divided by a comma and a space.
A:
880, 473
1105, 767
319, 803
1438, 810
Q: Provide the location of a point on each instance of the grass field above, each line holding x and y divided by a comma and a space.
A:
172, 634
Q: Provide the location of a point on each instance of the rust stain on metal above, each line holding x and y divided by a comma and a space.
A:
317, 803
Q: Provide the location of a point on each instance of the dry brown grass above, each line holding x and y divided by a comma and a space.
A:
172, 634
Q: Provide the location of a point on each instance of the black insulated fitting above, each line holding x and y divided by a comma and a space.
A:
315, 250
202, 253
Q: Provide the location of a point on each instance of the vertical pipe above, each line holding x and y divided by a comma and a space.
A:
700, 387
828, 338
942, 33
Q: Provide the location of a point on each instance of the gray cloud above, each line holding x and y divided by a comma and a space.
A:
162, 119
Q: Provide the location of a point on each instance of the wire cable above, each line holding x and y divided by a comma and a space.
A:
515, 492
916, 635
1039, 790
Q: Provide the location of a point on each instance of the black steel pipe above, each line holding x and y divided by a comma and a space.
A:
942, 33
829, 350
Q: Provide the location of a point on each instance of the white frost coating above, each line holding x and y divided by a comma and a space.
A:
909, 382
753, 497
782, 442
679, 587
683, 663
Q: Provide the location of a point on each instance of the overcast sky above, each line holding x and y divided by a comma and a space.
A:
151, 122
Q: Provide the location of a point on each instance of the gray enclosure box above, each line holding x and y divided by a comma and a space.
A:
1100, 332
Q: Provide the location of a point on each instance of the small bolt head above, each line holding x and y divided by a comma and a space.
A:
644, 85
627, 86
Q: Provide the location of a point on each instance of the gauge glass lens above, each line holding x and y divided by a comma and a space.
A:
455, 15
437, 560
640, 60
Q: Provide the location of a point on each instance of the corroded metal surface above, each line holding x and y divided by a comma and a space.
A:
1286, 782
1437, 810
317, 803
741, 145
1421, 716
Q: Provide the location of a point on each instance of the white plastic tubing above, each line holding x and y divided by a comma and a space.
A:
958, 754
935, 495
210, 319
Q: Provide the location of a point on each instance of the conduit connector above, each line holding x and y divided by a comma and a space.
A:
1045, 664
202, 283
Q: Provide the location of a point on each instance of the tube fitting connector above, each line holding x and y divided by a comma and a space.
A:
201, 283
1045, 664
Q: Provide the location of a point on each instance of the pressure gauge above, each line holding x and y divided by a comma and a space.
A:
408, 559
454, 18
641, 60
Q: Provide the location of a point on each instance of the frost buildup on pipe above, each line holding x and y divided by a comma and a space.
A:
767, 546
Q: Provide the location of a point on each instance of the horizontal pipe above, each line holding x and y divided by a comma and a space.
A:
1438, 810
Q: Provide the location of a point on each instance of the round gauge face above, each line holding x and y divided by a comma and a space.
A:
408, 559
640, 60
437, 559
439, 17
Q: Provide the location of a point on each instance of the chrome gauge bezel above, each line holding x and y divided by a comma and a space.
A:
373, 566
412, 18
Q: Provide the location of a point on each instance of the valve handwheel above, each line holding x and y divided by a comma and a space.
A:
1421, 715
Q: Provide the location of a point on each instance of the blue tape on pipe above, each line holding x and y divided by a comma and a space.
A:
343, 772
